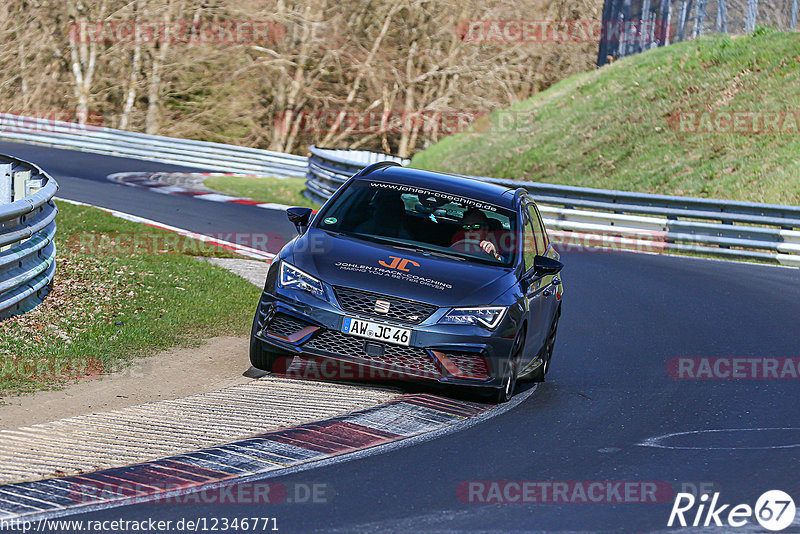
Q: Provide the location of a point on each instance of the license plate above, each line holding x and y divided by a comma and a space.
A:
379, 332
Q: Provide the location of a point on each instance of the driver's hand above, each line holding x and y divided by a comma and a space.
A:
488, 247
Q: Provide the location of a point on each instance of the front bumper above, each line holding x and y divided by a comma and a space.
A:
298, 326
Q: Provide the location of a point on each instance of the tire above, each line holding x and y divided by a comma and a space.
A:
546, 352
259, 357
506, 391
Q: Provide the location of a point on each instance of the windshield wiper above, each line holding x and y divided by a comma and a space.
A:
438, 253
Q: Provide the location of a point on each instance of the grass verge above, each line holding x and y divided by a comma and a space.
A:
278, 190
122, 291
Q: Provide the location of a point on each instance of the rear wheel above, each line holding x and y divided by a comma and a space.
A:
506, 391
259, 358
546, 353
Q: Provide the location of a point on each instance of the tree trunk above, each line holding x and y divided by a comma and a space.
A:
682, 20
130, 98
153, 118
408, 106
699, 19
722, 17
752, 16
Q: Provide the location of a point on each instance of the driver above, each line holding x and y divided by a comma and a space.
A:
475, 230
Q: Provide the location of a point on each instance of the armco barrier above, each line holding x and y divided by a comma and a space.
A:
328, 168
200, 154
599, 218
745, 230
27, 230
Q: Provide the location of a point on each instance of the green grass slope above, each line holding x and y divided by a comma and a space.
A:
632, 125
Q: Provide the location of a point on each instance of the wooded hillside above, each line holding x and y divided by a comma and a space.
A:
318, 64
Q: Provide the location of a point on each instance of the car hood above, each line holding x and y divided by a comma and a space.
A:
344, 261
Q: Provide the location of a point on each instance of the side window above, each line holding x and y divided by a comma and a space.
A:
545, 237
529, 243
538, 230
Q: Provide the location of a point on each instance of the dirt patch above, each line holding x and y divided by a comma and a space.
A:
174, 373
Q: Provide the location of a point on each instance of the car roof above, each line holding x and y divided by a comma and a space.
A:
464, 186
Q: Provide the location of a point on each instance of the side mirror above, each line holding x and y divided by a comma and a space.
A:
544, 266
299, 217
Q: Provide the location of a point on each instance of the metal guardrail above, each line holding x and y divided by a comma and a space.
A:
598, 218
329, 168
27, 230
746, 230
200, 154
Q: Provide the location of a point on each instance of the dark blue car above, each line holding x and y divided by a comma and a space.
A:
412, 274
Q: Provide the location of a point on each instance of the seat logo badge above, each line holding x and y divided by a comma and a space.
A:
381, 306
398, 263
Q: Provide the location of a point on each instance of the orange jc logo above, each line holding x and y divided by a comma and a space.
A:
398, 263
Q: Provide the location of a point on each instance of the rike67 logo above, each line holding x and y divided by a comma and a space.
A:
774, 510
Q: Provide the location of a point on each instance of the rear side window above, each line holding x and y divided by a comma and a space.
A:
540, 237
529, 244
545, 237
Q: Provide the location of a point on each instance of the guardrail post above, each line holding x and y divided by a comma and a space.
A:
21, 184
5, 184
33, 186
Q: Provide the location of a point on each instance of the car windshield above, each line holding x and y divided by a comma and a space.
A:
434, 221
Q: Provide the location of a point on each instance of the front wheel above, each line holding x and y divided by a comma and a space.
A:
259, 358
546, 353
506, 391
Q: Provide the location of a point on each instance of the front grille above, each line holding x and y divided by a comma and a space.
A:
400, 310
406, 360
473, 365
285, 325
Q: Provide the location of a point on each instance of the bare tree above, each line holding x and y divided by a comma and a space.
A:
133, 81
83, 55
403, 60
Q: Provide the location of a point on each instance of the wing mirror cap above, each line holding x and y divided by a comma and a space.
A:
544, 266
299, 217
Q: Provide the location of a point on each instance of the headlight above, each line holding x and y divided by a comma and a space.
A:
294, 278
487, 316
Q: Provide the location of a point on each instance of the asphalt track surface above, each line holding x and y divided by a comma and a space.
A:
83, 176
625, 316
